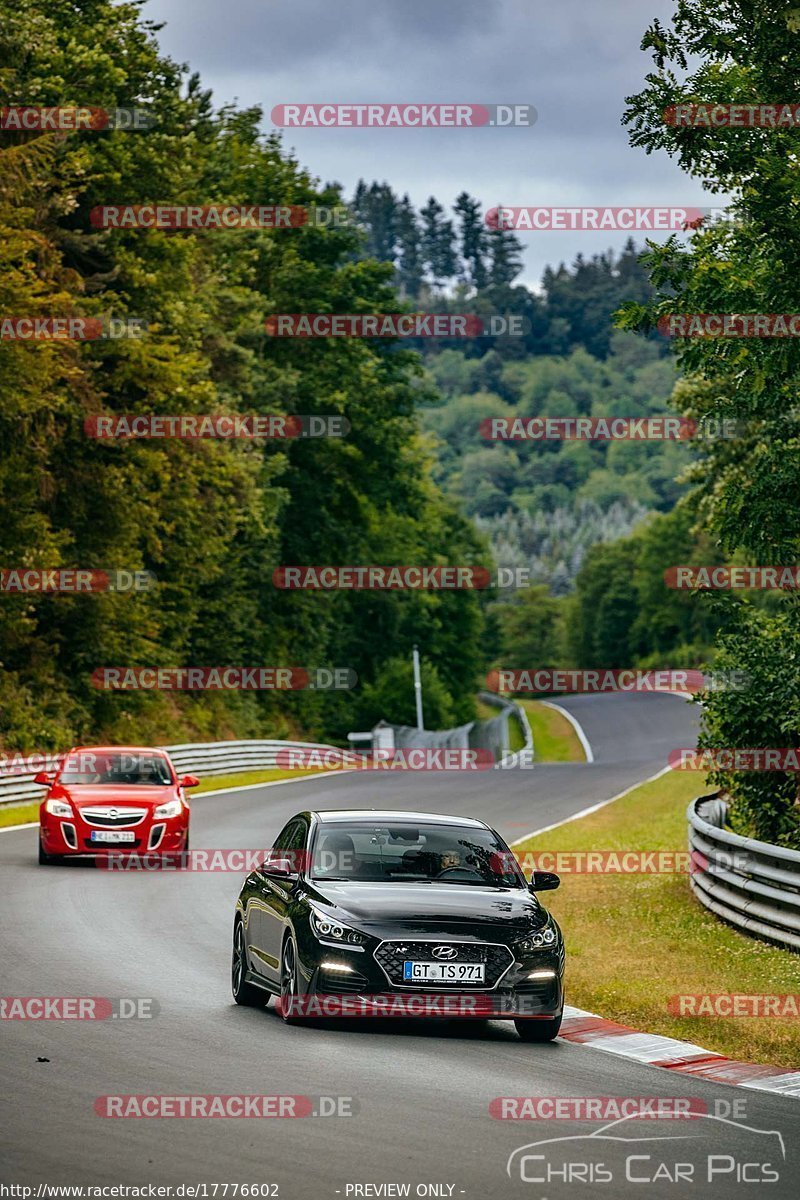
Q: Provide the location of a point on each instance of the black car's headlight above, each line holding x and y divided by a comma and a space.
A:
333, 932
542, 939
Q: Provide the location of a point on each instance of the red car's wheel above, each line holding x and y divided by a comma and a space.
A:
47, 859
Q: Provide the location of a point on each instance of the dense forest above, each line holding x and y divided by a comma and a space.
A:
413, 481
541, 505
210, 519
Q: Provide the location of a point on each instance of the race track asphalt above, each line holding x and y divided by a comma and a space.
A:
421, 1090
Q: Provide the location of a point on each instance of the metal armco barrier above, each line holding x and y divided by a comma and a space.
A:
508, 710
201, 758
749, 884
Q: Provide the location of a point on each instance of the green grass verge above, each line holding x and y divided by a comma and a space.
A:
23, 814
554, 739
19, 814
213, 783
633, 941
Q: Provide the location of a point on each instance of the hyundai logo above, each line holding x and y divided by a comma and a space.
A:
445, 952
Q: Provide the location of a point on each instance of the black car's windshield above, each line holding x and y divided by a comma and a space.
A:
415, 854
137, 769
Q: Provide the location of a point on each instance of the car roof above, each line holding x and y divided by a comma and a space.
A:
337, 815
118, 749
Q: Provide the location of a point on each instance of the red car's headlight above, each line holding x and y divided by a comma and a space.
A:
58, 808
173, 808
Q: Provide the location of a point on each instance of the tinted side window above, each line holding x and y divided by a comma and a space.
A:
283, 840
291, 843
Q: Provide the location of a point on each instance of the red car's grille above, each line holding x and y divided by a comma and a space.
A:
111, 817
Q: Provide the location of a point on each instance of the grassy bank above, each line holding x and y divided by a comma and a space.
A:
554, 739
633, 941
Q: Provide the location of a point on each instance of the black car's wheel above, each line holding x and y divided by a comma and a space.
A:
243, 992
289, 981
537, 1031
47, 859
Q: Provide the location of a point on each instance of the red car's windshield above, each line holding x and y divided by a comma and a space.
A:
130, 768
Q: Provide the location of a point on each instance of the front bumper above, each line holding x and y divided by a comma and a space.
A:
529, 986
72, 836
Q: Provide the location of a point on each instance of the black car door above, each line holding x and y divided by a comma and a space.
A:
276, 895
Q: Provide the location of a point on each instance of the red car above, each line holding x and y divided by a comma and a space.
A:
112, 799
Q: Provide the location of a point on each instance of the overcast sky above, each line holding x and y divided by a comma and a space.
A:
574, 60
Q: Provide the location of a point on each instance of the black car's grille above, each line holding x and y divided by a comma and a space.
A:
391, 956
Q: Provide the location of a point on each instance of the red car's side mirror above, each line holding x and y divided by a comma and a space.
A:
188, 781
43, 779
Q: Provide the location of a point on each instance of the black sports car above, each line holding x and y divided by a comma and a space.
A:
368, 903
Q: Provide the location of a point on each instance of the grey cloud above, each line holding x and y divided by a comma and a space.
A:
574, 60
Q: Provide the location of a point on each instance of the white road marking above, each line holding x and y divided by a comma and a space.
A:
593, 808
576, 725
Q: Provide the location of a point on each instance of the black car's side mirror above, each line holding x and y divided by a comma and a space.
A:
281, 869
544, 881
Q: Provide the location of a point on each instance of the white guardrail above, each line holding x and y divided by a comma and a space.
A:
207, 758
752, 885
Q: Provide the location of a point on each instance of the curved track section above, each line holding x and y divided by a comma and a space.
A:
422, 1090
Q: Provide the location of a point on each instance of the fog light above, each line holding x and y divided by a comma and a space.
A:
543, 974
327, 965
